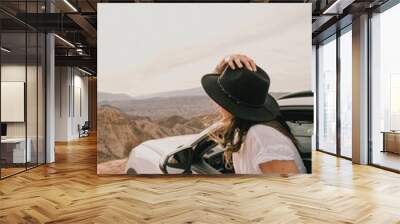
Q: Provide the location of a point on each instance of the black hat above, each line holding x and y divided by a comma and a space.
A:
243, 93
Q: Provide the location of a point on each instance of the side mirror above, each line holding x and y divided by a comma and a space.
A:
178, 162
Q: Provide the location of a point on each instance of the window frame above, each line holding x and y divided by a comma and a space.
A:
334, 37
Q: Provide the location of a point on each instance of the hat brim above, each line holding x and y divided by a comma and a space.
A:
266, 112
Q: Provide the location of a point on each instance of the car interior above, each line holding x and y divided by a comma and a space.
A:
179, 162
209, 158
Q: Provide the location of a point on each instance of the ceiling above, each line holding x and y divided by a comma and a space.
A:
75, 22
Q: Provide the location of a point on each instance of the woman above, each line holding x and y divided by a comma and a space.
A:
256, 139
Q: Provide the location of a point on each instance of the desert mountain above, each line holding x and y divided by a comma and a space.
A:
119, 132
177, 93
105, 97
164, 107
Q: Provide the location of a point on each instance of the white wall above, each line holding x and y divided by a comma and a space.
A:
62, 82
81, 103
12, 73
70, 83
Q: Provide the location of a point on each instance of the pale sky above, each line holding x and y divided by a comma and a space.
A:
149, 48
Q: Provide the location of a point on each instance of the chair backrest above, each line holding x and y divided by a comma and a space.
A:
86, 125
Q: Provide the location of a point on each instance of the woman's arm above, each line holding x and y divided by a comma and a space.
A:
279, 167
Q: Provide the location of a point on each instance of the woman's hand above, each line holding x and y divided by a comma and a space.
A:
235, 60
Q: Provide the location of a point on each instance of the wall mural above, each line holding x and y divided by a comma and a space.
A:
195, 88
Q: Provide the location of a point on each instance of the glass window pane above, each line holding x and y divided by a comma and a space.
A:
13, 86
31, 87
346, 94
327, 96
385, 84
31, 100
23, 87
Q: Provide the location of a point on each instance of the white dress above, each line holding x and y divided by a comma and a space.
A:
263, 144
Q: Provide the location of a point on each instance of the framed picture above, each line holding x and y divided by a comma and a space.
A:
204, 88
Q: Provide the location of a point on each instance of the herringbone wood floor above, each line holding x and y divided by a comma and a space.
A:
69, 191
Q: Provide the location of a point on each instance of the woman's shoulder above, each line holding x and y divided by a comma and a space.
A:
262, 129
267, 134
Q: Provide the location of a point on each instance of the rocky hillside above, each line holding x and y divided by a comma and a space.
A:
119, 132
